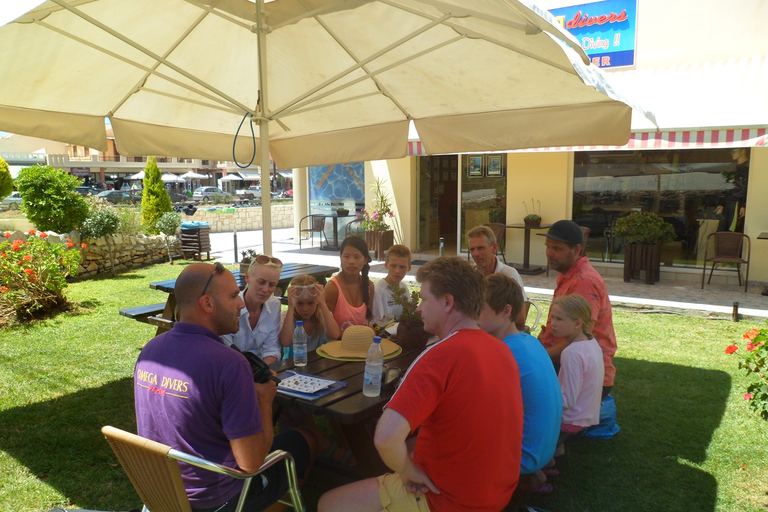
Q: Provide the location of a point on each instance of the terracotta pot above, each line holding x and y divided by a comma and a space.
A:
532, 223
411, 335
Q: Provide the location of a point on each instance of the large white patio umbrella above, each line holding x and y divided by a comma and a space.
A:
138, 176
192, 175
171, 178
325, 81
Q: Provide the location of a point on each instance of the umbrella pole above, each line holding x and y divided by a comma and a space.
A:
266, 187
266, 196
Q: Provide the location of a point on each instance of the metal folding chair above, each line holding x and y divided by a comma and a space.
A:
154, 472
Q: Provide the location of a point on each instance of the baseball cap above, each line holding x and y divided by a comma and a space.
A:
565, 231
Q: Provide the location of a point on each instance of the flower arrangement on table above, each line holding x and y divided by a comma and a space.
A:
754, 362
374, 218
410, 329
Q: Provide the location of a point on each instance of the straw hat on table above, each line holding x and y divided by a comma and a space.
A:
355, 342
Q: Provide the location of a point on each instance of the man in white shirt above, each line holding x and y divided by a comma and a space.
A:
482, 248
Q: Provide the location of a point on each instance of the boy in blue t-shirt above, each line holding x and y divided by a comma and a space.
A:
542, 398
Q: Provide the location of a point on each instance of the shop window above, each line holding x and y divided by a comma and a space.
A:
483, 191
697, 191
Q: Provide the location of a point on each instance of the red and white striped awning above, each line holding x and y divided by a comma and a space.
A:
687, 139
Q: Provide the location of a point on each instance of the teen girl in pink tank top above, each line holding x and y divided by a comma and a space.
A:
349, 294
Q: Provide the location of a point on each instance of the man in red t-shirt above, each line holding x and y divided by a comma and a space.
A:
565, 241
463, 395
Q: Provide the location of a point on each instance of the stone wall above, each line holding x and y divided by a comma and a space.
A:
129, 251
242, 219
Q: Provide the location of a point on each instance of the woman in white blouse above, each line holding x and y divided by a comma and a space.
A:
260, 318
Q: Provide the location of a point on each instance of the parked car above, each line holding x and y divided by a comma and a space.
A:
12, 202
118, 197
84, 190
175, 196
252, 193
211, 195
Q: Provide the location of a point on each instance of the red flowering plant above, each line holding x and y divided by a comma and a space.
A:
33, 275
754, 364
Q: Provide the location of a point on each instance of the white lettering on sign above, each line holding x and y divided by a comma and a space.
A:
587, 43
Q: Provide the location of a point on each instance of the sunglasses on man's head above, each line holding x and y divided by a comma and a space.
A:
217, 268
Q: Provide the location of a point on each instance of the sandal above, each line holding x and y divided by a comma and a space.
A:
542, 488
551, 471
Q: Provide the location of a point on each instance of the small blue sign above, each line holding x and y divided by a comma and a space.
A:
606, 30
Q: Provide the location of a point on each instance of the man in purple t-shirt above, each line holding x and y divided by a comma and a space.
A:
195, 394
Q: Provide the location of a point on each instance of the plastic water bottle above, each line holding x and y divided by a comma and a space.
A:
374, 362
299, 345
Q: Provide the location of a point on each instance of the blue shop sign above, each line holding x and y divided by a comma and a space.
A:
606, 30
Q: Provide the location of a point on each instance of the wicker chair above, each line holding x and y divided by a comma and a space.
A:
154, 472
500, 232
728, 249
315, 224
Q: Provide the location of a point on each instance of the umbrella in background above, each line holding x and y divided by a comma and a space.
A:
192, 175
231, 177
171, 178
138, 176
320, 81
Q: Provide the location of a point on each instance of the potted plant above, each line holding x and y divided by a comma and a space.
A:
644, 233
248, 255
410, 329
532, 219
378, 234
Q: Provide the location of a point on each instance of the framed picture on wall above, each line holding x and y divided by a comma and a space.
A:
494, 166
475, 167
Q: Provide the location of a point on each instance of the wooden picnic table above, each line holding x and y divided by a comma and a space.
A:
347, 407
164, 320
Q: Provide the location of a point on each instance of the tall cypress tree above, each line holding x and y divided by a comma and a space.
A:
155, 200
6, 181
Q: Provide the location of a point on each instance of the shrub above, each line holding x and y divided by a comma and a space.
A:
130, 221
155, 200
33, 275
6, 181
104, 222
645, 228
49, 199
168, 225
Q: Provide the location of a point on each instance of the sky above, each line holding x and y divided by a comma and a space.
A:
12, 9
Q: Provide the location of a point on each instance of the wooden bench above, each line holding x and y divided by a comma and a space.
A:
142, 313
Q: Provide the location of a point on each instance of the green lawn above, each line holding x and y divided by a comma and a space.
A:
688, 441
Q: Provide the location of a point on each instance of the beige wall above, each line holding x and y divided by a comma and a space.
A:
300, 199
545, 178
757, 213
399, 179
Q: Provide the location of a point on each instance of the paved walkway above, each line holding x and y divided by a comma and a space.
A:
713, 300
